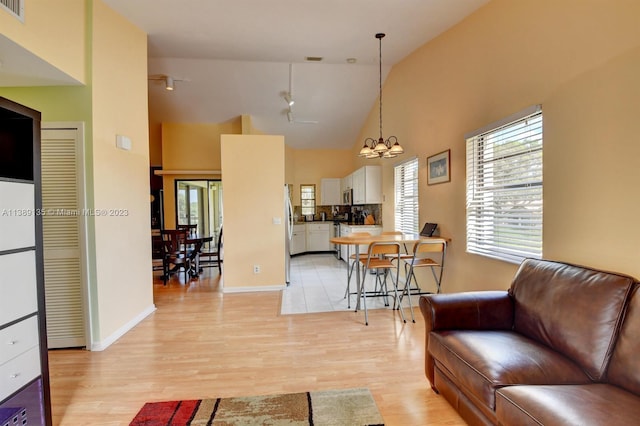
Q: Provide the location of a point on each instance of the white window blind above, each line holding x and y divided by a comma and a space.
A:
504, 188
406, 196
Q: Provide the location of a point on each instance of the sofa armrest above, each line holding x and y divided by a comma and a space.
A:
478, 310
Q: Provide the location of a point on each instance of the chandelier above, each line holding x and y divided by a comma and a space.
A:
382, 148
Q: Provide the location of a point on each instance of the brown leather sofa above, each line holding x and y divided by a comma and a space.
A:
560, 347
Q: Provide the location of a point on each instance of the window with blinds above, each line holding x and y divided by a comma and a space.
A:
308, 199
504, 188
406, 196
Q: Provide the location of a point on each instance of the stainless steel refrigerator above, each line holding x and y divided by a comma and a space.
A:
288, 214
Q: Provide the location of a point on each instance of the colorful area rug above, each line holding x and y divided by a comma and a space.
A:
352, 407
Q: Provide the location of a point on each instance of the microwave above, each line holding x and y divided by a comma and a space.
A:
347, 196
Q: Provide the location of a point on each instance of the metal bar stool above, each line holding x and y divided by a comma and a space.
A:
380, 256
422, 252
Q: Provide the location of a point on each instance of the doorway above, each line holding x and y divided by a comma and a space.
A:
199, 202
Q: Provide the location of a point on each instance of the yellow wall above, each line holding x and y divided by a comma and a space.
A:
253, 195
190, 146
121, 178
43, 19
580, 60
311, 165
593, 138
91, 37
181, 140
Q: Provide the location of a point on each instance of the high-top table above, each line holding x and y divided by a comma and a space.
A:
360, 239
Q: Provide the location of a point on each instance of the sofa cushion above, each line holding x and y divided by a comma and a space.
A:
482, 361
594, 404
624, 369
572, 309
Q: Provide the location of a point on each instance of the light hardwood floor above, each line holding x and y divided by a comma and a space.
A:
202, 343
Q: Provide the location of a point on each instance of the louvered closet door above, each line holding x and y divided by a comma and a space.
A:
63, 269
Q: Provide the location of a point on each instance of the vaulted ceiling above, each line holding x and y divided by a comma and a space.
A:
235, 57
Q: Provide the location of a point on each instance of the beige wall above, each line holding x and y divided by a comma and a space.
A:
593, 138
91, 37
308, 166
251, 202
580, 60
43, 19
181, 140
191, 146
121, 178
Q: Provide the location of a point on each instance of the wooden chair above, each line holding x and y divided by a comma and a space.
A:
176, 253
212, 256
191, 229
379, 257
157, 252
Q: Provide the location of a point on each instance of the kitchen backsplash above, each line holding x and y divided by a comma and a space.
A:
342, 213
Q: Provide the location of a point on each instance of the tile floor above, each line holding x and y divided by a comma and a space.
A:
318, 283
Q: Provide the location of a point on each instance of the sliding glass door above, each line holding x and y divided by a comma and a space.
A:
199, 202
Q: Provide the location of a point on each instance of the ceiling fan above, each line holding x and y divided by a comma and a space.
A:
288, 98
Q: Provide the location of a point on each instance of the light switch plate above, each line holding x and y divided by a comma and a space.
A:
123, 142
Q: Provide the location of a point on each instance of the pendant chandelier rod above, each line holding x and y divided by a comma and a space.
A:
380, 148
379, 36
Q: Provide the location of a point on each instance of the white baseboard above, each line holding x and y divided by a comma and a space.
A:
105, 343
253, 289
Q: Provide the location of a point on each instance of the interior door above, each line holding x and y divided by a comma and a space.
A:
63, 222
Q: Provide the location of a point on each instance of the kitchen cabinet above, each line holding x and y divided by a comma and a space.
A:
24, 372
346, 230
367, 185
330, 193
346, 183
318, 236
298, 239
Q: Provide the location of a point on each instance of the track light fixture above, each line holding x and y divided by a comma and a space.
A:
289, 99
382, 148
169, 81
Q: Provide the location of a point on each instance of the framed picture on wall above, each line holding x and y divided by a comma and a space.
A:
439, 168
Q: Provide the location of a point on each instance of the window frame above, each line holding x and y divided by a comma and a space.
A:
406, 190
504, 188
307, 210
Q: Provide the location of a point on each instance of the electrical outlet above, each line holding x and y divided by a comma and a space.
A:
256, 269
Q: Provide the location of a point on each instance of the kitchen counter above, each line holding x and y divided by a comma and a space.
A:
340, 221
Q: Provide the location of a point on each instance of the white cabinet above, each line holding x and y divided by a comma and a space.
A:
298, 239
367, 185
23, 353
346, 183
346, 230
330, 193
318, 236
358, 186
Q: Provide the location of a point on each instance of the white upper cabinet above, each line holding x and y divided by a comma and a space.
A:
330, 192
347, 183
367, 185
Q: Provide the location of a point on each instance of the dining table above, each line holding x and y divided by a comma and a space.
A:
362, 239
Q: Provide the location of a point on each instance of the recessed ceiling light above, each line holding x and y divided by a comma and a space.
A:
351, 60
314, 58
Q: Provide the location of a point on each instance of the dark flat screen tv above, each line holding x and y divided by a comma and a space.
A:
18, 125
